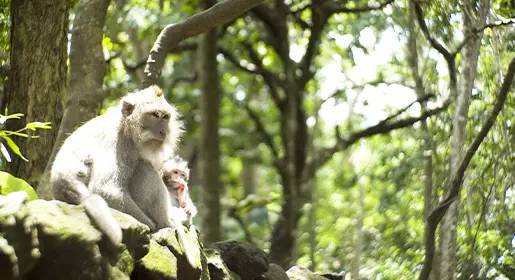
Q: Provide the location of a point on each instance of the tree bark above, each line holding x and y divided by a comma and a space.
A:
37, 78
173, 34
470, 53
87, 71
209, 148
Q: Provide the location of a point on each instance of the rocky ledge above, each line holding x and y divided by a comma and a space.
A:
42, 239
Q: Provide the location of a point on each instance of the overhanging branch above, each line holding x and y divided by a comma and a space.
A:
172, 34
455, 183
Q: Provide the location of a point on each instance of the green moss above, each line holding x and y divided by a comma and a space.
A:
64, 220
160, 260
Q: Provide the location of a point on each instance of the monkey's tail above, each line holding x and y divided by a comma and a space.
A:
183, 241
98, 211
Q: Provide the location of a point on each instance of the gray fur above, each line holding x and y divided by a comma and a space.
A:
103, 158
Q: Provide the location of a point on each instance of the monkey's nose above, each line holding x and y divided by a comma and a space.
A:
162, 132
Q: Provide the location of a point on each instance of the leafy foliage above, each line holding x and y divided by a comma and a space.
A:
6, 135
9, 184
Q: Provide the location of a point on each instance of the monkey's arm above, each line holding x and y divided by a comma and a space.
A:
131, 207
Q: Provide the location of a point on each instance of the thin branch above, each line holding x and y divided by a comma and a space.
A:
382, 127
434, 43
497, 24
270, 78
267, 137
236, 62
297, 16
361, 9
447, 55
185, 79
455, 183
477, 30
173, 34
421, 99
233, 212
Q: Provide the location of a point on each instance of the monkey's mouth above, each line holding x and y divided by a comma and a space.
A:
171, 184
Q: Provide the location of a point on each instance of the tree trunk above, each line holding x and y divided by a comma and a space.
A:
448, 233
209, 148
37, 78
87, 71
294, 135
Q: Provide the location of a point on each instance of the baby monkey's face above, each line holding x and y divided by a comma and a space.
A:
175, 178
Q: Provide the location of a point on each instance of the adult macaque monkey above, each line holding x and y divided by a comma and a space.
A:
175, 174
113, 161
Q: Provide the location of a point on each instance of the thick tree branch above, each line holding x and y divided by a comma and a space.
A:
319, 17
177, 49
382, 127
276, 27
172, 34
455, 183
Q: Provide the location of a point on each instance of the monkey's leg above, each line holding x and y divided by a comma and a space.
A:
130, 207
69, 189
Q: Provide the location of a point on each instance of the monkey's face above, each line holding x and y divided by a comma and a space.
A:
155, 126
175, 178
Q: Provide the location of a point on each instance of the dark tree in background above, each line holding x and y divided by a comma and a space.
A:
37, 78
209, 145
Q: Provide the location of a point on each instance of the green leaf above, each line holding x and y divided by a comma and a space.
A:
14, 147
40, 125
24, 135
9, 184
15, 116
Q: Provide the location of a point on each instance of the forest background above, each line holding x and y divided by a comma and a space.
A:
333, 134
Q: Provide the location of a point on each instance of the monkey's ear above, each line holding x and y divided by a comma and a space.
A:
127, 107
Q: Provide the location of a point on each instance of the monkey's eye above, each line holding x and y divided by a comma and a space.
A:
175, 172
183, 176
166, 117
155, 114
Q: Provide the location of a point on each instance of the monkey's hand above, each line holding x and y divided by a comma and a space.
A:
187, 210
181, 196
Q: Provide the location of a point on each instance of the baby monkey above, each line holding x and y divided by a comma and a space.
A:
175, 174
